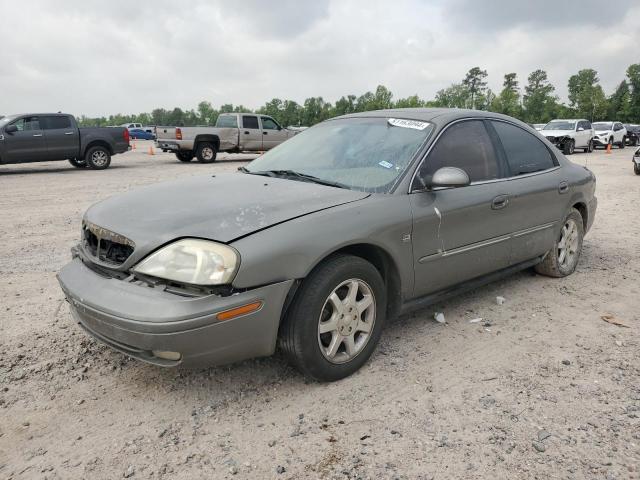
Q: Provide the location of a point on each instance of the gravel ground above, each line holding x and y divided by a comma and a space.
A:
542, 388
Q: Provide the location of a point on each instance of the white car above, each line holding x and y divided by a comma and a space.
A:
539, 126
570, 134
610, 133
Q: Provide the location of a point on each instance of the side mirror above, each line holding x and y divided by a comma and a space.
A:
10, 128
581, 129
449, 177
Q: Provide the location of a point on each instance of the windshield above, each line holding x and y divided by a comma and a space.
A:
366, 154
602, 126
5, 120
560, 125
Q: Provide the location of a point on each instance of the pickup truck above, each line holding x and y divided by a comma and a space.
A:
234, 132
42, 137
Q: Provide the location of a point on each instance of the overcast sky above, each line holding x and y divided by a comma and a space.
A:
104, 57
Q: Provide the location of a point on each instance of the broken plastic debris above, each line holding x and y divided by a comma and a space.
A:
609, 318
439, 317
476, 320
500, 300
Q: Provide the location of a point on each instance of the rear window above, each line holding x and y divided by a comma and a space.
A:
525, 153
227, 121
250, 122
53, 123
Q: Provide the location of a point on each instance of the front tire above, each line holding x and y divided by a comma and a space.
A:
563, 258
98, 158
569, 147
78, 163
206, 152
590, 147
336, 318
636, 169
623, 142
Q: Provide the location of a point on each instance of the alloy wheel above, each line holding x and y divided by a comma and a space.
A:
99, 158
568, 244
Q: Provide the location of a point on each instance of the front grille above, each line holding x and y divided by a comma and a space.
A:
104, 245
551, 139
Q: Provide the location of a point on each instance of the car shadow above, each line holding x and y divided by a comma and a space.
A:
5, 170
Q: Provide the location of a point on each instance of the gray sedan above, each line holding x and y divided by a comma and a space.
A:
314, 245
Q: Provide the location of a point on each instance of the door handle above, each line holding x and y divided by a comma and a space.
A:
499, 202
264, 133
37, 134
246, 132
68, 133
563, 187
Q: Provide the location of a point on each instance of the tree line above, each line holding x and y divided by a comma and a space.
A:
537, 103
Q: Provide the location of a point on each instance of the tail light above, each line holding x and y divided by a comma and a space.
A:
125, 135
178, 134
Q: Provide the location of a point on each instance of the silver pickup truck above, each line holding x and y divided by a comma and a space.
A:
234, 132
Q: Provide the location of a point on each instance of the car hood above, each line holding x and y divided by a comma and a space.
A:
603, 132
222, 207
556, 133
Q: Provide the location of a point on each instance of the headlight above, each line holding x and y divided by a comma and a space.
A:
193, 261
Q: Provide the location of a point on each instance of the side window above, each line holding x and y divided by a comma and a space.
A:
27, 123
465, 145
250, 122
54, 123
587, 125
269, 124
525, 153
227, 121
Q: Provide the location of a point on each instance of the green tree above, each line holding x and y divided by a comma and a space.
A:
586, 95
633, 75
345, 105
455, 96
315, 110
539, 101
410, 102
206, 113
620, 103
508, 101
476, 84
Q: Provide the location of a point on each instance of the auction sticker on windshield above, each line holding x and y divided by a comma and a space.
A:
401, 122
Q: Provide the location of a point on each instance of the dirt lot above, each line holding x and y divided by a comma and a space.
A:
545, 389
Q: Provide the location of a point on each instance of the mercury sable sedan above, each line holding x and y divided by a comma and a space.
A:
314, 245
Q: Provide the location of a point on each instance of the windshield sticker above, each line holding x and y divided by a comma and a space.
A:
385, 164
401, 122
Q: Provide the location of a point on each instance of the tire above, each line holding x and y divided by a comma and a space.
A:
634, 142
78, 163
311, 351
623, 142
98, 157
590, 147
206, 152
555, 264
636, 169
184, 156
569, 147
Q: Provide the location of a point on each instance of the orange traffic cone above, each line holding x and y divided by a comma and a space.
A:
134, 145
151, 152
608, 148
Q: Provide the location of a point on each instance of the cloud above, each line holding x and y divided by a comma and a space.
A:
98, 58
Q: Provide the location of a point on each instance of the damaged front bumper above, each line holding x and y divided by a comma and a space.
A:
141, 321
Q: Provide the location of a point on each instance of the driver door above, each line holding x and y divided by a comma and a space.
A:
272, 133
28, 144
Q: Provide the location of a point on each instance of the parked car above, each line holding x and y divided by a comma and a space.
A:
318, 242
234, 132
568, 135
539, 126
139, 134
610, 133
636, 162
633, 134
42, 137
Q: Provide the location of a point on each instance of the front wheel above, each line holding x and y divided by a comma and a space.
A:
184, 156
569, 147
206, 152
590, 147
78, 162
563, 258
636, 169
335, 320
623, 142
98, 158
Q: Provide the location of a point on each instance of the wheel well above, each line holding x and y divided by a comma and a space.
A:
582, 208
207, 138
98, 143
388, 269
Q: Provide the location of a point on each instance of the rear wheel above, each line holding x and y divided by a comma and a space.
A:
78, 162
98, 158
206, 152
636, 169
336, 318
184, 156
569, 147
563, 258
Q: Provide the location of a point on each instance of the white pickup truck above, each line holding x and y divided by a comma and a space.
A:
234, 132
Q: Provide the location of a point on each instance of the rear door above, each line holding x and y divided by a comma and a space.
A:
250, 134
539, 191
63, 138
272, 133
28, 143
461, 233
